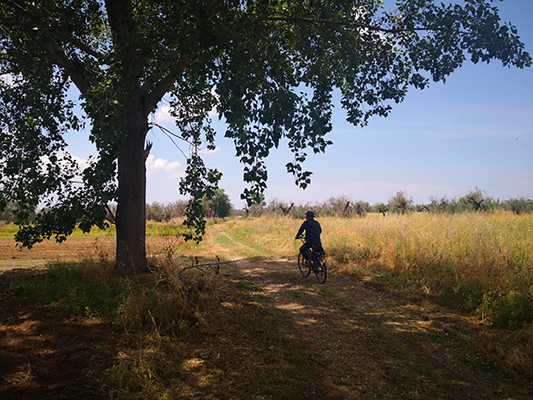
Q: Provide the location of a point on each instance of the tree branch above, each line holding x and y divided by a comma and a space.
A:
74, 69
351, 25
170, 135
81, 46
119, 14
337, 23
17, 8
165, 84
111, 217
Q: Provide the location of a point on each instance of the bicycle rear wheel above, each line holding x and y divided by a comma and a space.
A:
322, 271
304, 269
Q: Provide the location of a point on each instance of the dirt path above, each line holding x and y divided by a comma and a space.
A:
347, 339
365, 342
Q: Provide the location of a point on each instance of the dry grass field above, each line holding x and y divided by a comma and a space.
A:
414, 307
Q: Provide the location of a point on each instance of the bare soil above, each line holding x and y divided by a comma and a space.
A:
359, 340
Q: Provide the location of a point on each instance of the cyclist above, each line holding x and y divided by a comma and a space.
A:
312, 233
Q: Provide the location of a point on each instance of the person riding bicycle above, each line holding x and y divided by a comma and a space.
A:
312, 233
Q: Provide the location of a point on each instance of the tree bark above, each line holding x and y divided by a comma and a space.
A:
131, 206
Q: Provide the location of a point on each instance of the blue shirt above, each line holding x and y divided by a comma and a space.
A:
312, 231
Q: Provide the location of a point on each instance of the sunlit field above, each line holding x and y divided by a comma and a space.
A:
481, 263
478, 262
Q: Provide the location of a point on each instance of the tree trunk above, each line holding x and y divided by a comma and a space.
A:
131, 207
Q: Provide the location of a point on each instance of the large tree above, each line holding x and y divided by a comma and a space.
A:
268, 67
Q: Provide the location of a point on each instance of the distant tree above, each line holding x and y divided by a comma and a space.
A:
399, 203
361, 208
382, 208
476, 200
442, 205
520, 205
165, 211
256, 207
268, 68
286, 210
218, 204
7, 215
335, 206
157, 212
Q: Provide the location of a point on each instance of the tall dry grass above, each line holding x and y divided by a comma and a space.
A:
478, 262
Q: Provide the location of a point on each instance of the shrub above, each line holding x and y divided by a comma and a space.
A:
161, 212
520, 205
218, 205
399, 204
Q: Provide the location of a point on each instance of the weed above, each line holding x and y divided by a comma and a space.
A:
298, 292
432, 374
172, 247
449, 386
246, 286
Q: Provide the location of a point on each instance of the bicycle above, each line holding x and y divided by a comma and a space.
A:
316, 263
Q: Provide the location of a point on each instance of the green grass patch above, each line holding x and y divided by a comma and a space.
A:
245, 286
166, 305
64, 286
224, 240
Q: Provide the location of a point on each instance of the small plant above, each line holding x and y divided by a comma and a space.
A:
172, 248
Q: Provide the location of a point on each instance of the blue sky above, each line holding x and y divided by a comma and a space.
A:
474, 131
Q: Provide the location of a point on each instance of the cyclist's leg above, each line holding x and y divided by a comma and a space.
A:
303, 250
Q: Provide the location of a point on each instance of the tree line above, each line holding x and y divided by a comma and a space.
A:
219, 206
475, 201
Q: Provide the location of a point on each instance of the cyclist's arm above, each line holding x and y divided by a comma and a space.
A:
300, 231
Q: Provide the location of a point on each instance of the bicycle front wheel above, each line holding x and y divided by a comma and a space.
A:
322, 271
304, 269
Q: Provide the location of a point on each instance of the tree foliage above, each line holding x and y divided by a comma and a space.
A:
268, 68
218, 204
399, 204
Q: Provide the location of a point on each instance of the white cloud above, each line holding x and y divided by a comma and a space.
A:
82, 163
162, 115
7, 79
154, 165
